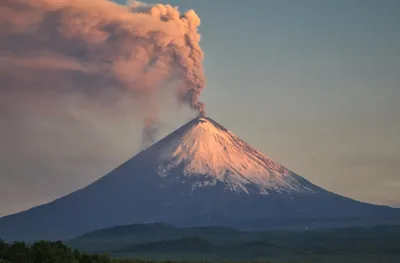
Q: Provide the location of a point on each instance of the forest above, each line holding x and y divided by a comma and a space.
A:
163, 243
54, 252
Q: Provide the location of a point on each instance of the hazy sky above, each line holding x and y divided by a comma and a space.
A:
313, 84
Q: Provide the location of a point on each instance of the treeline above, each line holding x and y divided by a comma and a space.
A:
53, 252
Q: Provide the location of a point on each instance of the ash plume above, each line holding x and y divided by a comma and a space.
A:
149, 133
100, 50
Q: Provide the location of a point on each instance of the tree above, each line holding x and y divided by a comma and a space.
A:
3, 249
17, 252
41, 252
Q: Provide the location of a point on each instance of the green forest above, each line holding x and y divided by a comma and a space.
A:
168, 252
165, 243
47, 252
57, 252
53, 252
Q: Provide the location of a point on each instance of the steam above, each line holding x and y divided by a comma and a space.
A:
100, 50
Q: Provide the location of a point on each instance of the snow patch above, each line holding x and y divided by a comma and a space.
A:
206, 148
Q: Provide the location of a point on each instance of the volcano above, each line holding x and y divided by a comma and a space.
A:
201, 174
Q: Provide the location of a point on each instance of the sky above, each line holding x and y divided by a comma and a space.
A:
313, 84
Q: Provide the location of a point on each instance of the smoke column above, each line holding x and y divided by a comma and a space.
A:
149, 134
98, 49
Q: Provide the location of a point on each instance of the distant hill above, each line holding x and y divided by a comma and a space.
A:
116, 238
162, 241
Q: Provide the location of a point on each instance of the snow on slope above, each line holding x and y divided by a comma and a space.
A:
212, 154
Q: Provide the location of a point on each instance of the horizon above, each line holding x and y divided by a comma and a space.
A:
313, 85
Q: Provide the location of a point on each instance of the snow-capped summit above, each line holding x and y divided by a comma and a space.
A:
208, 151
200, 174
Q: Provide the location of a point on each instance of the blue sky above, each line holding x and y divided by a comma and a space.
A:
313, 84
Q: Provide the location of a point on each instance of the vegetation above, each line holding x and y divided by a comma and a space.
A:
47, 252
55, 252
352, 245
165, 242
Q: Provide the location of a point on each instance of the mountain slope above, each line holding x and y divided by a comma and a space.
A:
210, 149
200, 171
